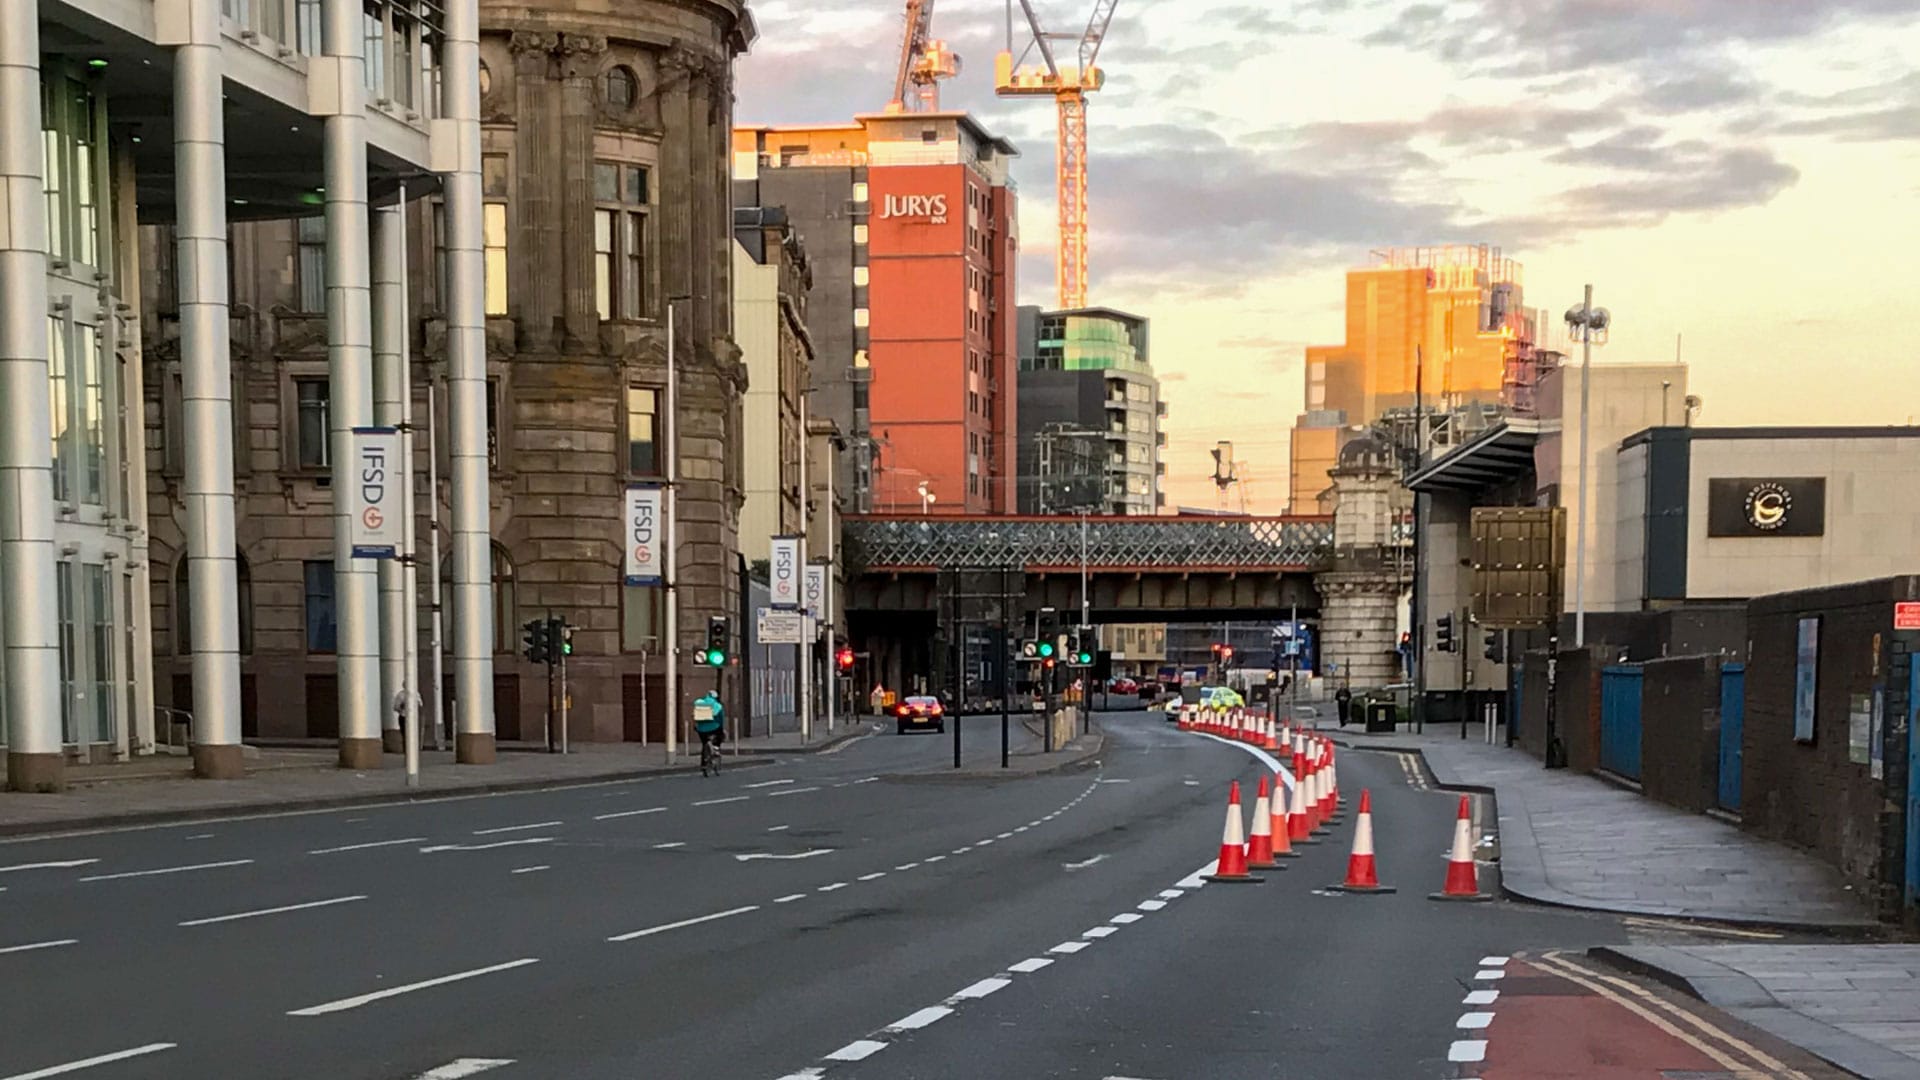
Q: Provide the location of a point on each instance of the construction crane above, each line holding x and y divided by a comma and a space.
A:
924, 61
1069, 87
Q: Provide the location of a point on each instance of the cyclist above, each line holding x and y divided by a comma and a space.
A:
709, 718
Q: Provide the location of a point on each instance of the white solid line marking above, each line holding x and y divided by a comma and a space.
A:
628, 813
695, 921
916, 1020
40, 945
1068, 947
1101, 931
806, 1074
66, 865
1490, 974
1474, 1021
728, 799
906, 866
531, 869
982, 989
518, 828
789, 898
858, 1050
431, 848
670, 845
395, 991
866, 780
271, 911
1493, 961
1481, 997
363, 847
76, 1066
1151, 905
778, 828
787, 791
459, 1068
1126, 917
808, 854
167, 870
873, 876
1468, 1050
768, 783
1030, 965
1082, 865
201, 836
830, 888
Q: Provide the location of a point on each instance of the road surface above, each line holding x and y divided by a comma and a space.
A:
835, 916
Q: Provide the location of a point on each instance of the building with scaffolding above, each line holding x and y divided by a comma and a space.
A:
1427, 328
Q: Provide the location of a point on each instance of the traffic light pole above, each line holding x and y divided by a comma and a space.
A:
1006, 664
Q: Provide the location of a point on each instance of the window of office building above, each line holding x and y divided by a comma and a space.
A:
74, 169
310, 263
643, 431
621, 207
100, 654
322, 625
643, 617
312, 433
69, 654
59, 384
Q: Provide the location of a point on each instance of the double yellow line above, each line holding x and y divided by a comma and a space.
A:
1662, 1014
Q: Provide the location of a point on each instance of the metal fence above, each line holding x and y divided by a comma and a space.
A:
1196, 542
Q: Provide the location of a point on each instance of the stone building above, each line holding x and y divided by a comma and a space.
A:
1361, 595
604, 153
771, 280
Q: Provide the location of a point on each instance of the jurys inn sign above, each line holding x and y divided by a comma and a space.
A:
929, 208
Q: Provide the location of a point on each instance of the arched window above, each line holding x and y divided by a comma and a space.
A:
183, 606
506, 636
622, 89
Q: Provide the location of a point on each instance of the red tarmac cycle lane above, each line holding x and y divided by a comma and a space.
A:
1547, 1026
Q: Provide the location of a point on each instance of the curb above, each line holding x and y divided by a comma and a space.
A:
1520, 851
1085, 757
1741, 996
107, 822
858, 731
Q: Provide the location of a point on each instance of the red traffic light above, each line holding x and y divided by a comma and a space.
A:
844, 658
1216, 646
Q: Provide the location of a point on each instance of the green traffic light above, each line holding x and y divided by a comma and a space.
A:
1046, 648
716, 658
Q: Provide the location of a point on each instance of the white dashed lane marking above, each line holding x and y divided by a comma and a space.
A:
859, 1050
916, 1020
1031, 965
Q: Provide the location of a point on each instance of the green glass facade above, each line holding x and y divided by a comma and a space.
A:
1091, 341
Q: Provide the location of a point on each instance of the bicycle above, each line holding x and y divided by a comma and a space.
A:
709, 757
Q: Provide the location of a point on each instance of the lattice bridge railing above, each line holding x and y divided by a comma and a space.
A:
1196, 543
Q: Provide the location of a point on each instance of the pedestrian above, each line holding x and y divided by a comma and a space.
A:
1343, 703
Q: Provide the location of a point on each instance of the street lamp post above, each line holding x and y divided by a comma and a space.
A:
1589, 323
927, 498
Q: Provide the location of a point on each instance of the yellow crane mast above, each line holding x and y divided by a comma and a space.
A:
1069, 87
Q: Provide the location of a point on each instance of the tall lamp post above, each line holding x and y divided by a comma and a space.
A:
927, 498
1589, 325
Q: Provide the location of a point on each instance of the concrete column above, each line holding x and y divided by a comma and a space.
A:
32, 654
389, 352
350, 377
206, 378
473, 738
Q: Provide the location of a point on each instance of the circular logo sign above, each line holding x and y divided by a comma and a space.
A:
641, 555
372, 518
1768, 505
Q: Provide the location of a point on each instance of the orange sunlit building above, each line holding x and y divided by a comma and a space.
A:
1438, 322
909, 226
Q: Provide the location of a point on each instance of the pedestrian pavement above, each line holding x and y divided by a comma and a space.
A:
148, 790
1576, 841
1857, 1006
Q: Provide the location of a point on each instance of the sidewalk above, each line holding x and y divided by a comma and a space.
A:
1857, 1006
1575, 841
154, 790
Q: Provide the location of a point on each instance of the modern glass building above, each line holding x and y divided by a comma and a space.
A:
1083, 371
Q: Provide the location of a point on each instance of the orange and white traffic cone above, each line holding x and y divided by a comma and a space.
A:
1325, 772
1362, 875
1260, 841
1267, 740
1316, 793
1233, 843
1463, 883
1282, 843
1299, 828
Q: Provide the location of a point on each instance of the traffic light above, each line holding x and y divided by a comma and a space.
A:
717, 641
1083, 646
1226, 653
1046, 650
559, 637
1443, 634
537, 645
1491, 646
843, 659
1030, 650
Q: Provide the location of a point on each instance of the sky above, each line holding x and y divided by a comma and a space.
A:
1738, 179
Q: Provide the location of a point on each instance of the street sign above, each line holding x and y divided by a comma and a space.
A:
374, 494
783, 572
643, 539
1906, 615
782, 627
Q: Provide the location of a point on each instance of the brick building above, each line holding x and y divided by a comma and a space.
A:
604, 168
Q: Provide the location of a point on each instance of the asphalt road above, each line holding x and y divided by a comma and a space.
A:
815, 917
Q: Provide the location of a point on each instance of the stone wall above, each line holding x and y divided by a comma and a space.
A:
1680, 731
